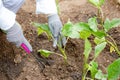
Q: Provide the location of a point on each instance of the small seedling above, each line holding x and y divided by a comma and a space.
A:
46, 53
82, 30
44, 28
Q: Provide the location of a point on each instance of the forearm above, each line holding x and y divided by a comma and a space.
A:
13, 5
7, 17
8, 9
46, 7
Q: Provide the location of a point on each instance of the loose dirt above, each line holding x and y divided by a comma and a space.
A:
16, 64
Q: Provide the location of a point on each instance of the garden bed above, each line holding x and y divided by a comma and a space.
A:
15, 64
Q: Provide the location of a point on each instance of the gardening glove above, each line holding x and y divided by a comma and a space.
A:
55, 26
13, 5
15, 35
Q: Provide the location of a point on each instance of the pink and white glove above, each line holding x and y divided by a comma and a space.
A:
15, 35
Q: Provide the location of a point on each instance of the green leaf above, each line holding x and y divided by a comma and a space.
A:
102, 2
99, 48
107, 25
94, 2
73, 30
40, 31
99, 34
85, 34
92, 22
111, 24
82, 26
114, 70
99, 40
87, 49
43, 28
99, 75
66, 30
115, 22
45, 53
70, 30
93, 68
97, 3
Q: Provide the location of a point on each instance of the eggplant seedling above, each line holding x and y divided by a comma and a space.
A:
83, 30
44, 28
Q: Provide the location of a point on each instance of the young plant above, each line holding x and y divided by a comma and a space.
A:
106, 24
84, 31
44, 28
58, 7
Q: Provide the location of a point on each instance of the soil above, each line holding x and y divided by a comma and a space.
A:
16, 64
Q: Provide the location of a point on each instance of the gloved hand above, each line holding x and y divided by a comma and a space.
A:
55, 26
15, 35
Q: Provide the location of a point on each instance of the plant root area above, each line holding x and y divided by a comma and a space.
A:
16, 64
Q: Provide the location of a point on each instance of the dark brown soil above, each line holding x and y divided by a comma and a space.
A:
16, 64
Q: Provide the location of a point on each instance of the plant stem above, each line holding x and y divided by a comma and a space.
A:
66, 43
89, 78
59, 55
62, 50
85, 69
57, 5
101, 15
63, 53
84, 77
115, 47
112, 40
